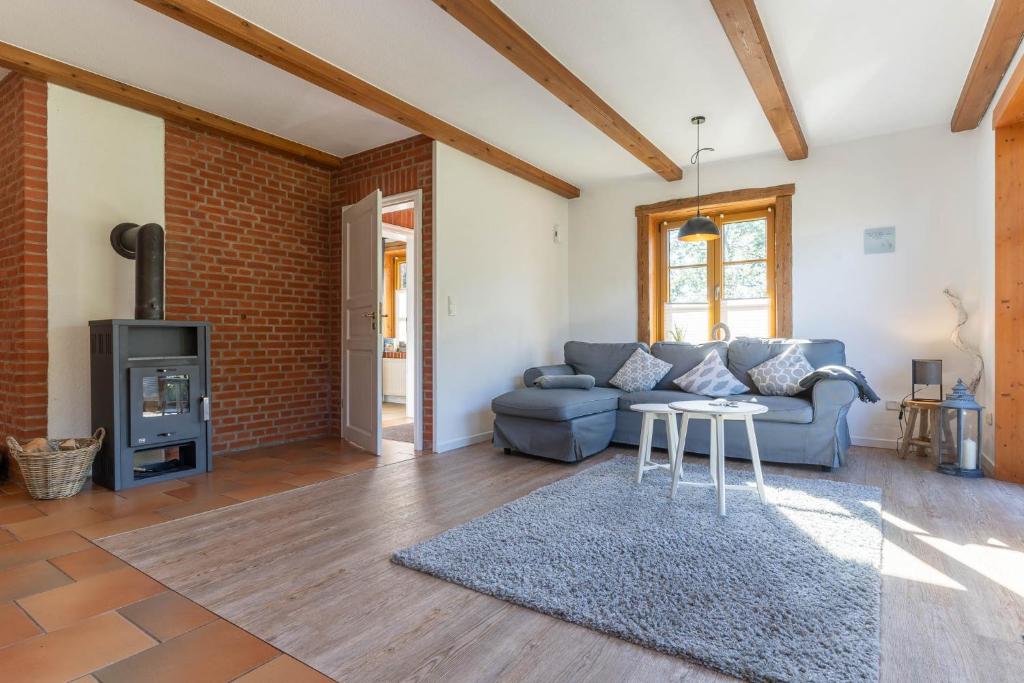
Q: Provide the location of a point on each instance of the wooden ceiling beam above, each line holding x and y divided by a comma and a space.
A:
498, 30
219, 23
998, 45
53, 71
749, 41
1009, 110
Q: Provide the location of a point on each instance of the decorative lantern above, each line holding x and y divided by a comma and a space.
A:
959, 433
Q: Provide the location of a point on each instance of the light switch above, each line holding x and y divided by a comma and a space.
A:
451, 305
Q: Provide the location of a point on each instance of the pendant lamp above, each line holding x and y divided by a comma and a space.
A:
700, 228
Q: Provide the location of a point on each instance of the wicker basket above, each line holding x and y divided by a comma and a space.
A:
56, 473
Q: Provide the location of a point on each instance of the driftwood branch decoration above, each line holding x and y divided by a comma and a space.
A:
961, 320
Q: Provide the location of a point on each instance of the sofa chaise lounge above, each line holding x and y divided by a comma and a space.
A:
573, 424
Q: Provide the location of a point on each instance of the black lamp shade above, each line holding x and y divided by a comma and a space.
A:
927, 371
699, 229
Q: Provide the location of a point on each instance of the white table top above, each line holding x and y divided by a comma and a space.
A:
651, 408
742, 408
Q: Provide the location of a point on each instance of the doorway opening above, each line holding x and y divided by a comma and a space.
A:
398, 323
382, 323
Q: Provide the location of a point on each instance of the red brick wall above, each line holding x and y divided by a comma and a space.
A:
247, 250
403, 218
23, 306
399, 167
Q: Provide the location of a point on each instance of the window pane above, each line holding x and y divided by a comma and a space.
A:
746, 240
686, 322
685, 253
745, 280
688, 285
747, 317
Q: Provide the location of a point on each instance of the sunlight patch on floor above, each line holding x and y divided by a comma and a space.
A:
1001, 565
901, 564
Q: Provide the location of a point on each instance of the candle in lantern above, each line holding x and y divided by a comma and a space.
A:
970, 455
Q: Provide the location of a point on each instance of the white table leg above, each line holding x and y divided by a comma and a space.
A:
677, 462
644, 454
755, 458
719, 427
712, 466
672, 430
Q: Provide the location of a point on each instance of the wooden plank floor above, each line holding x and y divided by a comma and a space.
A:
308, 571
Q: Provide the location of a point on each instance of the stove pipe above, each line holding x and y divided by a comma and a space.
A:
145, 245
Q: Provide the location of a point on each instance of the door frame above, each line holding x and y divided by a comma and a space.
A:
415, 198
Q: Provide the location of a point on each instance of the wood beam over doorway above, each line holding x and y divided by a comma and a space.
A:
746, 33
497, 29
998, 45
229, 28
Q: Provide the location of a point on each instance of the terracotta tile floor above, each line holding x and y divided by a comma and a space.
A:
70, 610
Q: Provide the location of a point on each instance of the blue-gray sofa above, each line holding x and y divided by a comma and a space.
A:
573, 424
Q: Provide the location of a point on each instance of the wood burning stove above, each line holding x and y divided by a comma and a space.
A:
151, 392
150, 378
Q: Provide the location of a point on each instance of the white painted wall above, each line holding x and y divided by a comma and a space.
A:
496, 258
105, 166
887, 308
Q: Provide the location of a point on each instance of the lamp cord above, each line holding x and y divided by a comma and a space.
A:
695, 159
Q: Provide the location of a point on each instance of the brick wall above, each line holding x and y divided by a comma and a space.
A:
403, 218
399, 167
23, 306
247, 250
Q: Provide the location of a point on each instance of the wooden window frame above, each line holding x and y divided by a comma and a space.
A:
651, 251
716, 265
393, 257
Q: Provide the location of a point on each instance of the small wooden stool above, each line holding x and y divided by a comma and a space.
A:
924, 416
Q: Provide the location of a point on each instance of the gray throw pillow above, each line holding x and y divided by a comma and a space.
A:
781, 375
564, 382
711, 378
640, 372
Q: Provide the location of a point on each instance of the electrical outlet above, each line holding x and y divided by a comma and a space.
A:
451, 305
892, 405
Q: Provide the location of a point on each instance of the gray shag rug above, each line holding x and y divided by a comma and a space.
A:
787, 592
402, 432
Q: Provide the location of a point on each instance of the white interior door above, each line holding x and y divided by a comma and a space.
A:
361, 338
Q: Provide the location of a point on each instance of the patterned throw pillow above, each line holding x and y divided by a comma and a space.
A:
711, 378
781, 375
640, 372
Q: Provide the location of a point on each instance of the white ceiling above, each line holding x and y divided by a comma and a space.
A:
853, 70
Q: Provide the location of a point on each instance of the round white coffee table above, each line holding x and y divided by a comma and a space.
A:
652, 412
718, 414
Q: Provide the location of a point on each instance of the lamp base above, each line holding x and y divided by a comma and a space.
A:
947, 468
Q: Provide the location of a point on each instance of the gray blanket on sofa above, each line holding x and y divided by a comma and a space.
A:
864, 390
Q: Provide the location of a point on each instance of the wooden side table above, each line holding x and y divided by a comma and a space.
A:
924, 417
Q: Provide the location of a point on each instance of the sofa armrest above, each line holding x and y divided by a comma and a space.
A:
531, 374
831, 397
